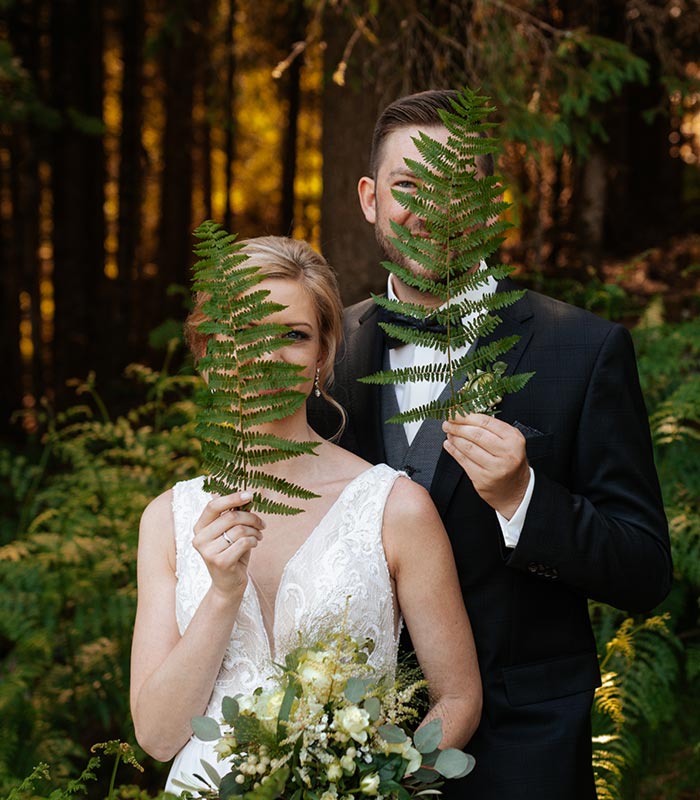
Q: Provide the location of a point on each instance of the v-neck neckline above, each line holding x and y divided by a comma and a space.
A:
270, 635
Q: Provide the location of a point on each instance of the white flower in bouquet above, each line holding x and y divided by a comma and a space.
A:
353, 721
316, 672
369, 784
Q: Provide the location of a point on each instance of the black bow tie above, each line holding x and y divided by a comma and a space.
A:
428, 324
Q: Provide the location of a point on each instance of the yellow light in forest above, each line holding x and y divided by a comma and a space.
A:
111, 270
26, 346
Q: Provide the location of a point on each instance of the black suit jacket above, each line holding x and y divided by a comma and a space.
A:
595, 528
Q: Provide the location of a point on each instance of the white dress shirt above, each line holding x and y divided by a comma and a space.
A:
412, 395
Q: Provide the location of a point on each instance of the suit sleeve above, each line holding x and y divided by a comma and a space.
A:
606, 534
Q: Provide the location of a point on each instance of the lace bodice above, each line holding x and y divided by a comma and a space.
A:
341, 564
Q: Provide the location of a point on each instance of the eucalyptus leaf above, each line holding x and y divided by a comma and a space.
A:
430, 758
428, 737
214, 776
229, 709
206, 729
452, 763
355, 689
285, 709
373, 707
392, 733
424, 775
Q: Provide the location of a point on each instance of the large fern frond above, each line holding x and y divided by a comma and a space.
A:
244, 389
640, 670
461, 214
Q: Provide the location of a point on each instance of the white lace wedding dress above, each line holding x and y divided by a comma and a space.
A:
341, 565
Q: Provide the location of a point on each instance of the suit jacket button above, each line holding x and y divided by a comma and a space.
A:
532, 567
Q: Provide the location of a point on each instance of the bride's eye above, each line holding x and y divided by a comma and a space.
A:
295, 335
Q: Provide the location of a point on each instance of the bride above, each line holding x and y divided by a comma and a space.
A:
223, 592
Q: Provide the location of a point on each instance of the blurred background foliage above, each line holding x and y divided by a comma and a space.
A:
124, 123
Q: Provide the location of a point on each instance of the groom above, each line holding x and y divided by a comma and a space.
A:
553, 501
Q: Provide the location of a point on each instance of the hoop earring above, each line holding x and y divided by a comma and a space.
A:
317, 387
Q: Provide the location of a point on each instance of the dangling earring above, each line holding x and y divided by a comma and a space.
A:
317, 387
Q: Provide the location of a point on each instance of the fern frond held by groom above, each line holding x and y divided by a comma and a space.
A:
460, 209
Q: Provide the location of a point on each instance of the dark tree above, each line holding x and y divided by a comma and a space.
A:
182, 55
131, 159
291, 93
82, 325
348, 114
20, 237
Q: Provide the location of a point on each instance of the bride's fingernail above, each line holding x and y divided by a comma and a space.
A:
246, 495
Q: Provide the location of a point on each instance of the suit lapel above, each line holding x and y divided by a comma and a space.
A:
515, 320
364, 353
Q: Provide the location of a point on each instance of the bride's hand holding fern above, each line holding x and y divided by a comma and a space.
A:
224, 536
492, 453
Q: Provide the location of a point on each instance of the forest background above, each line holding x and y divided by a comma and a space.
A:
125, 124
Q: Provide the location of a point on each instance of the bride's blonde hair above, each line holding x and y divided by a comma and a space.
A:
289, 259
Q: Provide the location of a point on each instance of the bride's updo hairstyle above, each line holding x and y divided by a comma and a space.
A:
289, 259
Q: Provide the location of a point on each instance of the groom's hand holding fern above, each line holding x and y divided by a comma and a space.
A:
492, 453
224, 537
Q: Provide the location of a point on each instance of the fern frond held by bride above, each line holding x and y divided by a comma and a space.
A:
244, 389
460, 211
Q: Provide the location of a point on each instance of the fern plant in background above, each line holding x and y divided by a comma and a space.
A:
68, 570
460, 211
244, 389
639, 665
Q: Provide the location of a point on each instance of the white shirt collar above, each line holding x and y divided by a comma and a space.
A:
472, 294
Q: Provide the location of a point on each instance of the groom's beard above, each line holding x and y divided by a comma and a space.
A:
391, 253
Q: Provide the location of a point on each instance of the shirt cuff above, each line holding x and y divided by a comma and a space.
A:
512, 528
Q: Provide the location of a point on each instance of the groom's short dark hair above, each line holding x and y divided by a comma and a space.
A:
421, 108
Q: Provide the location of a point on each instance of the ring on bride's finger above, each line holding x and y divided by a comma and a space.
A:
225, 536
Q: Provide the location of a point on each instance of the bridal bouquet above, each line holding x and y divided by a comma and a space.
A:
328, 729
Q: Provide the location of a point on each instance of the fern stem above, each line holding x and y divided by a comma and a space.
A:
28, 499
113, 777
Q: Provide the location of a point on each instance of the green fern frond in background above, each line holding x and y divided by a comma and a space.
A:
244, 389
460, 210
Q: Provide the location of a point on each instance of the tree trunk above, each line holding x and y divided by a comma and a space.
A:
131, 157
78, 175
645, 196
230, 112
292, 95
19, 240
181, 61
348, 115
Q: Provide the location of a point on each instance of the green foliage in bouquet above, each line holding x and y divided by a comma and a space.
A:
329, 726
244, 388
460, 211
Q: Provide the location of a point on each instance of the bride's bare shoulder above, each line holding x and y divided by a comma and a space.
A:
408, 501
158, 515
